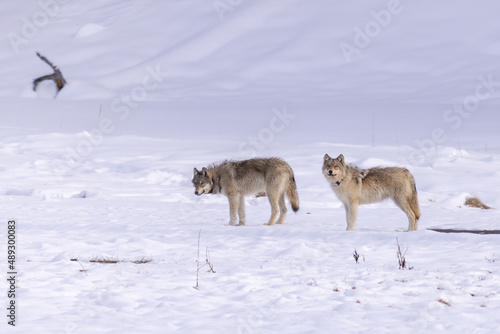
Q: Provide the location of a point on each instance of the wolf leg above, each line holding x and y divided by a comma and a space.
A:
412, 221
351, 210
405, 205
274, 201
283, 209
233, 208
241, 210
413, 201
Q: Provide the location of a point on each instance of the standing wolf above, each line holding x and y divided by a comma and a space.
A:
354, 186
235, 179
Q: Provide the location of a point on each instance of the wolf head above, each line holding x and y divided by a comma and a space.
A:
334, 169
202, 181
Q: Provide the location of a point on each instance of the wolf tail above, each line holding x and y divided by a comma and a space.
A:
414, 202
291, 192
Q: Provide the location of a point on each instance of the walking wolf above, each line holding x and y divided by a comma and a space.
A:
236, 179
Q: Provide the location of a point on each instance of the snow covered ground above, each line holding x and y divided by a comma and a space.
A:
104, 170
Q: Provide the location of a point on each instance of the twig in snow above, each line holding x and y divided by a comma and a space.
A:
198, 261
207, 259
401, 256
81, 270
355, 255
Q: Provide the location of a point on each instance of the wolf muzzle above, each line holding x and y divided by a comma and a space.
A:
330, 173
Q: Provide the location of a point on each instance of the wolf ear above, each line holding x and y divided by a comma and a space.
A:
326, 157
340, 158
206, 172
195, 171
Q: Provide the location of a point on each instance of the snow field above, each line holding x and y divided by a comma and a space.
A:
156, 88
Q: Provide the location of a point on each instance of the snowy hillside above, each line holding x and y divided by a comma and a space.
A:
103, 171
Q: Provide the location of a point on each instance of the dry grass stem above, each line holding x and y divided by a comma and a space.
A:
475, 202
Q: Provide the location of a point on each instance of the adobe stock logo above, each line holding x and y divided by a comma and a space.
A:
454, 117
122, 107
363, 37
30, 26
257, 143
225, 6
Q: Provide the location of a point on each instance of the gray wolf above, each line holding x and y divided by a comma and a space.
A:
354, 186
236, 179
